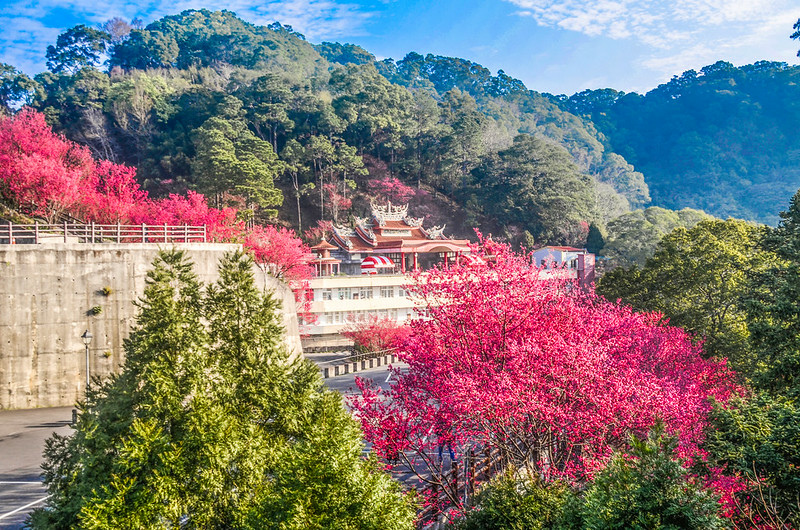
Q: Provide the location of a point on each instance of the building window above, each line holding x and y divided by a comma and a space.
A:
345, 293
365, 292
401, 292
387, 291
327, 294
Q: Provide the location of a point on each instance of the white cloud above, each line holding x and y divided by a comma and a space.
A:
640, 18
675, 34
16, 39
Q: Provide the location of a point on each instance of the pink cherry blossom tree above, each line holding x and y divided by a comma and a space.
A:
552, 377
284, 255
376, 333
46, 175
41, 172
390, 188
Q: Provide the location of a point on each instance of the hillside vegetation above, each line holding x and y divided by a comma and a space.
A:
258, 117
205, 101
723, 140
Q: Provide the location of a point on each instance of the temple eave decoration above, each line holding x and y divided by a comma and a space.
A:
389, 212
435, 232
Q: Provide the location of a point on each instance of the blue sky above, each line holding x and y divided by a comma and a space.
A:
558, 46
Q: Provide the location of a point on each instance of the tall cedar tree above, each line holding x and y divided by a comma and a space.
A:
211, 424
773, 308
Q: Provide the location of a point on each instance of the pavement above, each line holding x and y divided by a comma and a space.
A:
22, 436
23, 433
346, 384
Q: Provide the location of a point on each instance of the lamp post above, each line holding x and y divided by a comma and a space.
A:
87, 339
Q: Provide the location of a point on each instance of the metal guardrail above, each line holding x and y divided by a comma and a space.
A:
66, 232
351, 367
446, 488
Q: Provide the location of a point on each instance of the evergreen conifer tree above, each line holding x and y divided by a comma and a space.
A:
759, 436
773, 308
211, 424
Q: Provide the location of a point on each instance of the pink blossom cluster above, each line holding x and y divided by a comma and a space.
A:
49, 176
553, 376
391, 188
376, 333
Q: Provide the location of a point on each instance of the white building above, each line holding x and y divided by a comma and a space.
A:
575, 259
339, 300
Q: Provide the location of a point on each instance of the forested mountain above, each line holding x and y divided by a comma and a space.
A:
206, 101
723, 140
258, 116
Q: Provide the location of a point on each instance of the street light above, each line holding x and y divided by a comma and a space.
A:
87, 339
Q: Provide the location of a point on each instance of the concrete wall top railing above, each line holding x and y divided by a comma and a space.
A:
13, 233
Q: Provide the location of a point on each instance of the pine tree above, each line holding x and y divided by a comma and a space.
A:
211, 424
595, 240
127, 443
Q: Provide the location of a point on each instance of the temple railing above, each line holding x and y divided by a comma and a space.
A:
66, 232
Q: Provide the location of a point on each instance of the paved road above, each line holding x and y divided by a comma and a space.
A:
346, 384
22, 436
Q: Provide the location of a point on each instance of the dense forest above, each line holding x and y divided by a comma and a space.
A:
722, 140
286, 130
205, 101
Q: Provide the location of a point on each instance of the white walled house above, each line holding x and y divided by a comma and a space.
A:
574, 259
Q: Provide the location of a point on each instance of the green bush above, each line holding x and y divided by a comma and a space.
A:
516, 501
646, 489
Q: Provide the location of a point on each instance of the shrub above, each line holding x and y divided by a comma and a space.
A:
648, 488
514, 501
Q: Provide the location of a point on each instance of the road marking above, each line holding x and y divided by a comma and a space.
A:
12, 512
19, 482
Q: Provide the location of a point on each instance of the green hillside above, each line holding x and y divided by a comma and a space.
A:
206, 101
723, 140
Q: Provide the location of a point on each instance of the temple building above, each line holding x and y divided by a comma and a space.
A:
389, 241
361, 271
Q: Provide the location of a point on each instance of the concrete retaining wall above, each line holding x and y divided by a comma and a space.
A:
47, 293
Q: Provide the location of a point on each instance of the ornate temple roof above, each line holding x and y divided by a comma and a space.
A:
390, 229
